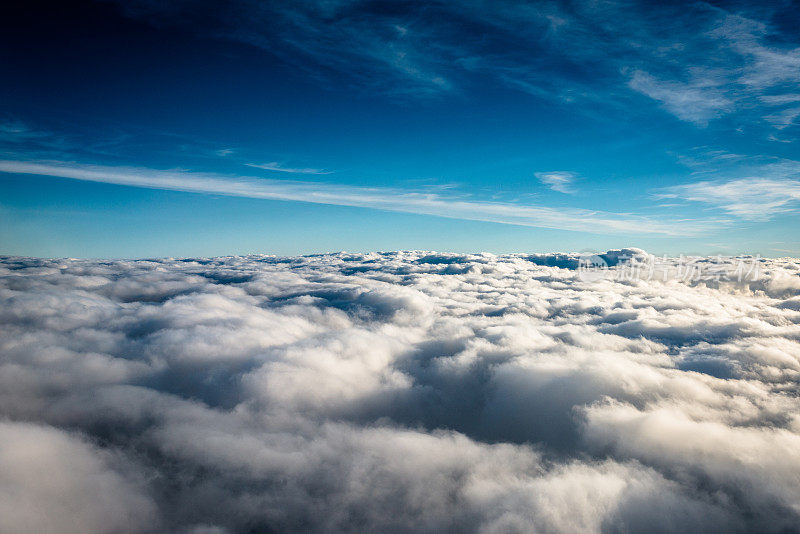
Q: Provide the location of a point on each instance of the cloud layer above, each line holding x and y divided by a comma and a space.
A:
396, 392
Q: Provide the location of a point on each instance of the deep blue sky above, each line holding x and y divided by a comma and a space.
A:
204, 128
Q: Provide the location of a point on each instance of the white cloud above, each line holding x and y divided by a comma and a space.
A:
697, 101
756, 199
560, 181
784, 118
781, 99
275, 166
376, 198
730, 65
398, 391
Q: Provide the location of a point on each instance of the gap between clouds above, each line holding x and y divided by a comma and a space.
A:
388, 199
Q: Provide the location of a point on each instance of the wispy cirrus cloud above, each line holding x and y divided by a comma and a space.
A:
755, 199
423, 203
17, 131
561, 181
784, 118
754, 188
697, 61
736, 63
697, 101
279, 167
17, 134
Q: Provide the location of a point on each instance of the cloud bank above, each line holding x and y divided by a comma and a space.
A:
400, 391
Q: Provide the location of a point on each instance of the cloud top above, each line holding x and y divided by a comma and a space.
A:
397, 391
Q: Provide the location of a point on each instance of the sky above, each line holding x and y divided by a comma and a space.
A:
142, 129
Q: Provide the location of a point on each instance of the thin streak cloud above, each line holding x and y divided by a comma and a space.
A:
376, 198
275, 166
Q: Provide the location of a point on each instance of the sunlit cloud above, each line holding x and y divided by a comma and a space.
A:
398, 391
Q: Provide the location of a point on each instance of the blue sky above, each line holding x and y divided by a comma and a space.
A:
130, 129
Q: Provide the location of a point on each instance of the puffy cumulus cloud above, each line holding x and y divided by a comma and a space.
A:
399, 391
